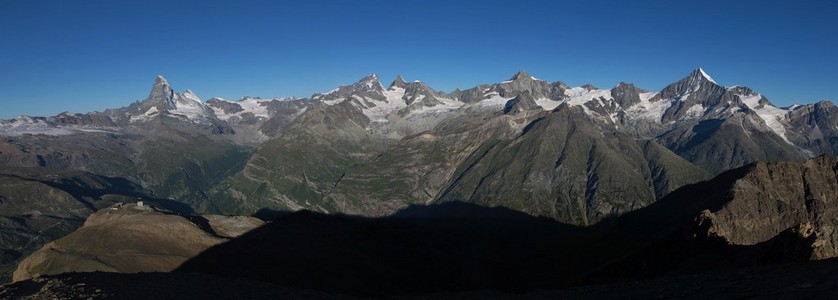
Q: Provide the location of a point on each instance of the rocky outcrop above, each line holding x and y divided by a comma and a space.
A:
775, 197
763, 213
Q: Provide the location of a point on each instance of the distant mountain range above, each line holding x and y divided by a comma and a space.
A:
576, 154
595, 160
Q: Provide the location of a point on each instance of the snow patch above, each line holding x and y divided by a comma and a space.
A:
696, 111
494, 101
648, 110
580, 95
772, 115
446, 106
190, 106
249, 105
29, 125
706, 76
394, 101
548, 104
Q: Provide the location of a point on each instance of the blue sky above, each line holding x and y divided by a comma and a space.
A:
89, 55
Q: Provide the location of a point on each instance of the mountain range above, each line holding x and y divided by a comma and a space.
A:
579, 156
370, 150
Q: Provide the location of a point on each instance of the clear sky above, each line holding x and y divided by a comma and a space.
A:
87, 55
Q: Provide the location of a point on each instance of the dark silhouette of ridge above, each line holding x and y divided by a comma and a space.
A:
449, 247
453, 247
464, 211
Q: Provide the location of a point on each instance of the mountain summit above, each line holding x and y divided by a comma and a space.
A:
704, 74
163, 100
161, 95
699, 76
522, 75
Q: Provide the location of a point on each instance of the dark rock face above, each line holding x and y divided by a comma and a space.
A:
225, 106
814, 127
626, 94
521, 103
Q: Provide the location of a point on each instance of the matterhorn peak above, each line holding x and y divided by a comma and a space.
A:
161, 92
161, 80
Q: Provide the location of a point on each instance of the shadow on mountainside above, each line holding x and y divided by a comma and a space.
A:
421, 249
115, 186
461, 247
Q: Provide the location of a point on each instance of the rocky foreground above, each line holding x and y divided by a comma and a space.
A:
810, 280
763, 230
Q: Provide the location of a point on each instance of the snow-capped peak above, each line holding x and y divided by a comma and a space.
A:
161, 80
163, 100
705, 75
